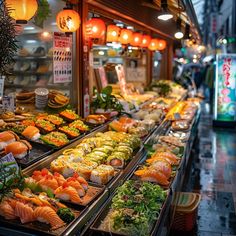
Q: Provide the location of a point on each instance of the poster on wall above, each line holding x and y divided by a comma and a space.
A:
121, 77
225, 94
62, 58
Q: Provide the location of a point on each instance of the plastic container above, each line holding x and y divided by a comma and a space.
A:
186, 211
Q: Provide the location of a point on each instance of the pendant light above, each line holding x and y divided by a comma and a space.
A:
22, 10
113, 32
125, 36
178, 34
145, 41
153, 45
136, 39
95, 28
161, 45
165, 14
68, 20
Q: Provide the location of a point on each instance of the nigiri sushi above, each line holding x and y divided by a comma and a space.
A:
167, 155
48, 215
67, 193
49, 182
6, 138
163, 167
19, 149
59, 178
152, 175
39, 174
31, 132
7, 211
25, 212
82, 181
76, 184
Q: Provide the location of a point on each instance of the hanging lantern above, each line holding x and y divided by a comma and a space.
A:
95, 28
125, 36
136, 39
113, 32
153, 45
68, 20
145, 41
161, 45
22, 10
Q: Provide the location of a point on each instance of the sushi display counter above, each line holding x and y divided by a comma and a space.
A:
108, 179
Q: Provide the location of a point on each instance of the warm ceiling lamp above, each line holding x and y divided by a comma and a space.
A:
145, 41
136, 39
179, 34
153, 45
22, 10
68, 20
113, 32
95, 28
161, 45
165, 13
125, 36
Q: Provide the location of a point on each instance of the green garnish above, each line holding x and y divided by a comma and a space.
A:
66, 214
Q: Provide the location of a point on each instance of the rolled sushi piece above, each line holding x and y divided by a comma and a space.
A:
117, 159
84, 170
102, 174
125, 149
31, 132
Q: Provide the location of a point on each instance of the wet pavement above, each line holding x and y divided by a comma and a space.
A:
212, 173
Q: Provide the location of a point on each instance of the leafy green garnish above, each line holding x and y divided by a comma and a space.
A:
66, 214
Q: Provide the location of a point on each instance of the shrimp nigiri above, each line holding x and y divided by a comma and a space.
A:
67, 193
48, 215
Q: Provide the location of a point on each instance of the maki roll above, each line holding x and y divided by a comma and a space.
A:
102, 174
125, 149
31, 132
117, 159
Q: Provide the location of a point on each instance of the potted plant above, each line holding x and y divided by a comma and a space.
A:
105, 103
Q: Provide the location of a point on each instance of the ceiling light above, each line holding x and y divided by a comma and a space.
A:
29, 28
165, 13
179, 34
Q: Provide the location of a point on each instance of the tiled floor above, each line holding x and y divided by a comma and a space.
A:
213, 175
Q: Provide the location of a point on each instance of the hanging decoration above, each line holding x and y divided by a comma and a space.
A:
95, 28
136, 39
161, 45
22, 10
153, 45
113, 32
68, 20
145, 41
8, 45
125, 36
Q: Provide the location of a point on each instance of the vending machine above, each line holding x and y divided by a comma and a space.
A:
224, 91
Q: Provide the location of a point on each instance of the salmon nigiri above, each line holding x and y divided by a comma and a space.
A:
25, 212
82, 181
48, 215
173, 159
59, 178
67, 193
7, 211
152, 175
163, 167
48, 182
38, 175
76, 184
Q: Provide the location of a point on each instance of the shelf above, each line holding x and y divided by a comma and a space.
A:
33, 58
29, 73
51, 86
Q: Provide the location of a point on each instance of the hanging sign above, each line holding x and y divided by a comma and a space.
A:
121, 77
225, 94
62, 58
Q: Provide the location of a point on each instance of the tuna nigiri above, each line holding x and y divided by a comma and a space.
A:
76, 184
7, 211
25, 212
67, 193
152, 175
48, 215
31, 132
6, 138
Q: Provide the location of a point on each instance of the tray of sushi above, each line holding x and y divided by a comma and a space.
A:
47, 203
24, 151
134, 209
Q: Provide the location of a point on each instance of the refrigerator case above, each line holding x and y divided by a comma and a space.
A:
225, 94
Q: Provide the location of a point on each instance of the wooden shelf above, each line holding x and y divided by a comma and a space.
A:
49, 86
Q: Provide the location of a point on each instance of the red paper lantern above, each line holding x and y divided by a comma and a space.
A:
125, 36
68, 20
145, 41
136, 40
113, 32
95, 28
161, 44
153, 44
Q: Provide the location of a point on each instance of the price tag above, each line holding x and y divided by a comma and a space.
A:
9, 170
177, 116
